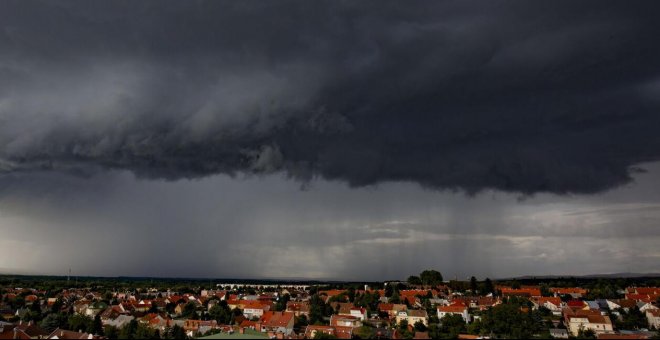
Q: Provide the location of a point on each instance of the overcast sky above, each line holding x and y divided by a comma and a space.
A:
334, 140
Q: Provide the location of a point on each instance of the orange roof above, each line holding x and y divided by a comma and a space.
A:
624, 303
332, 292
253, 304
647, 290
385, 306
248, 323
343, 332
569, 290
292, 306
576, 303
643, 297
521, 291
599, 319
452, 309
413, 292
411, 299
276, 319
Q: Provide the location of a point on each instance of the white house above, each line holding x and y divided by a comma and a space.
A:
597, 323
455, 309
255, 311
653, 316
553, 304
645, 306
360, 313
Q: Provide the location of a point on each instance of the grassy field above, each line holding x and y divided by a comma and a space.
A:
249, 334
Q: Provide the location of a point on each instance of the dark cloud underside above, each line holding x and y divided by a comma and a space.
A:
526, 97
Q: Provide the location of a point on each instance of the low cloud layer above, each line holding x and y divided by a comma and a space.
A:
115, 224
517, 97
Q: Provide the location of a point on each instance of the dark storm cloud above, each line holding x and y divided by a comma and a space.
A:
558, 97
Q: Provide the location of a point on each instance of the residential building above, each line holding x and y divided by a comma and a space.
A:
281, 322
653, 317
413, 316
456, 309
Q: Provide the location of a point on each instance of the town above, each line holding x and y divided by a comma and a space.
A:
425, 306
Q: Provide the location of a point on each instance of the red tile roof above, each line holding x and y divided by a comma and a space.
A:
332, 292
452, 309
413, 292
521, 292
276, 319
385, 306
575, 303
569, 290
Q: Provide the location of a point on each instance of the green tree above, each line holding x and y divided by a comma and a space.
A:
128, 331
300, 322
364, 332
395, 297
190, 310
414, 280
431, 277
221, 313
631, 320
321, 335
57, 306
586, 334
176, 332
507, 320
96, 326
389, 290
145, 332
79, 322
452, 324
488, 287
318, 310
111, 332
420, 326
404, 331
281, 303
545, 290
53, 321
473, 285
